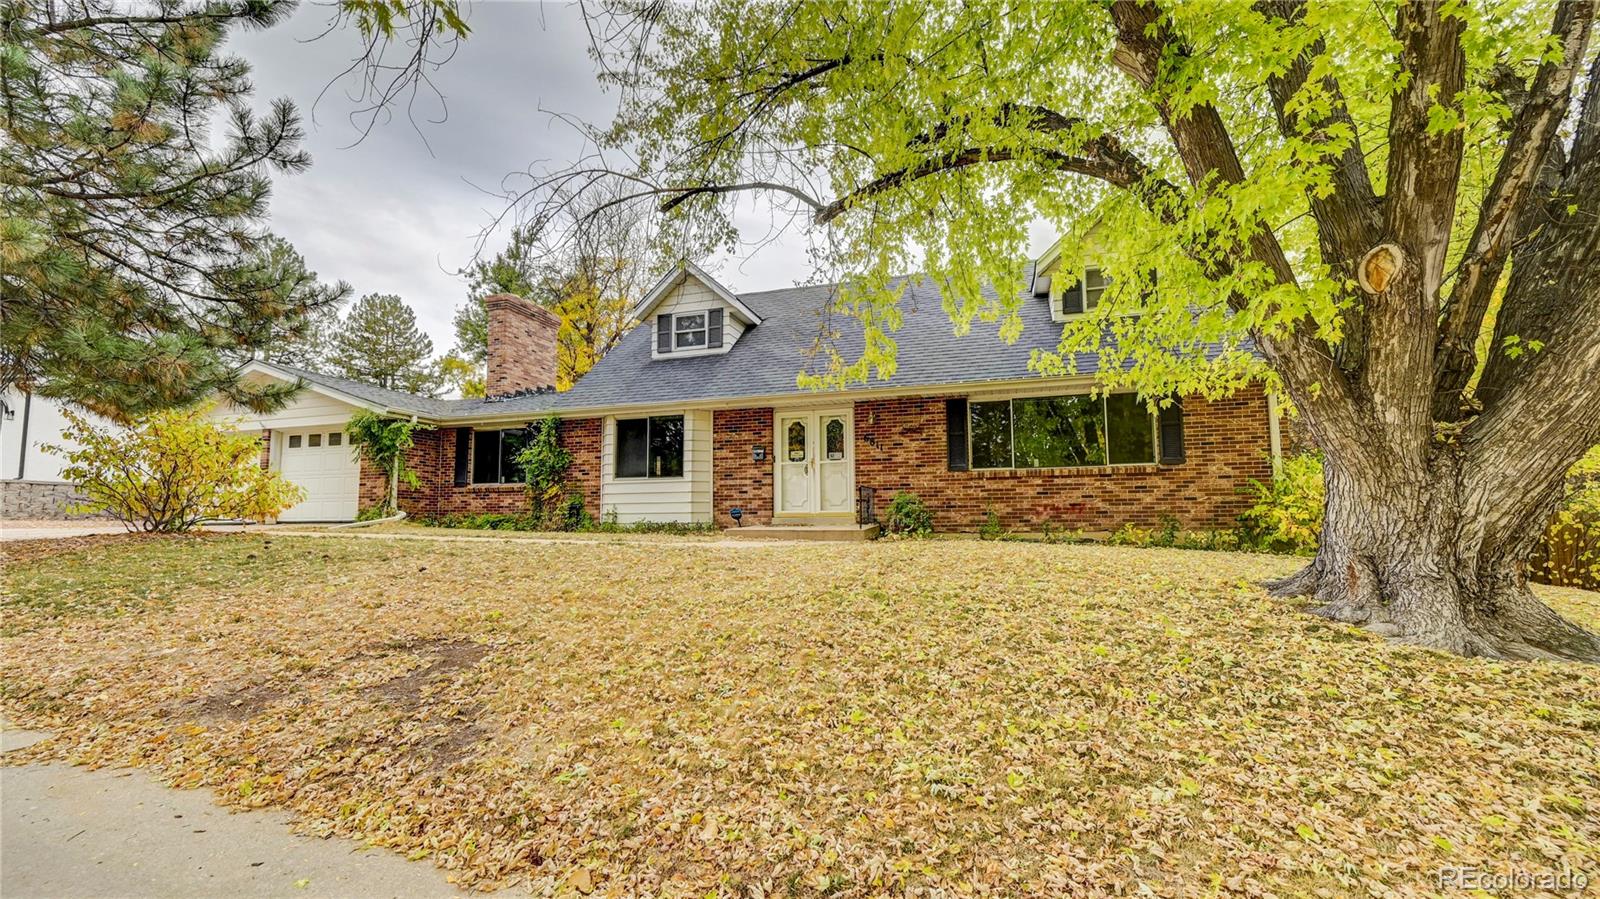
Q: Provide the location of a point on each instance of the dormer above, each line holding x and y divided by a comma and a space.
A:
692, 315
1062, 278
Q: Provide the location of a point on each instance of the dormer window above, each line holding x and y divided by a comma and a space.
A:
689, 331
1084, 294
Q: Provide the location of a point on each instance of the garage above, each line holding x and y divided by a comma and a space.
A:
322, 463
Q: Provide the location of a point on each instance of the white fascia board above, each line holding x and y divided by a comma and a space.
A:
672, 279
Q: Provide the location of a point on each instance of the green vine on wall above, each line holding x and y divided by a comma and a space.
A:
384, 442
544, 466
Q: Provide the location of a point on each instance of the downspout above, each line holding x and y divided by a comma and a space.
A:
22, 448
1274, 436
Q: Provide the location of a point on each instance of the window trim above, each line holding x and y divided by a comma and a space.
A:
678, 331
1058, 301
1010, 399
616, 448
472, 464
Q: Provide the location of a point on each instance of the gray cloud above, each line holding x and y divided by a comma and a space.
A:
401, 211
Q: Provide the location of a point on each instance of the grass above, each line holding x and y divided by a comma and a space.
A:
681, 718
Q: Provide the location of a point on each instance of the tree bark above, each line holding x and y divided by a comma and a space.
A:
1416, 554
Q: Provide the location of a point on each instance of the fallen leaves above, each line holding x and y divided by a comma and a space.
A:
661, 718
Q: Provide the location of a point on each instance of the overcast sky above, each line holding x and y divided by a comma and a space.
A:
401, 211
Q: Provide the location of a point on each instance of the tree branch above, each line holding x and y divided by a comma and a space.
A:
1534, 130
684, 194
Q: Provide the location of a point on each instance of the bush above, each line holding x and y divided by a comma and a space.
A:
574, 517
169, 471
1569, 554
385, 442
991, 529
907, 516
1287, 516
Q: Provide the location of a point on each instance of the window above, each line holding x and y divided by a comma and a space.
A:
689, 331
650, 447
834, 432
316, 439
1084, 295
336, 438
494, 456
294, 441
1062, 432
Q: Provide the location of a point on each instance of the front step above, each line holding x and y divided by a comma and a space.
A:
828, 532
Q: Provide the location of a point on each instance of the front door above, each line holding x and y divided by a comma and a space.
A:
816, 463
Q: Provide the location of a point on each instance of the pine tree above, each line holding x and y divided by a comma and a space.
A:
128, 277
304, 341
129, 230
380, 343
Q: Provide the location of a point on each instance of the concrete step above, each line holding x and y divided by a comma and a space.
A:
834, 532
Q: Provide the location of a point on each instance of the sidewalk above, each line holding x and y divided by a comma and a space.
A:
73, 832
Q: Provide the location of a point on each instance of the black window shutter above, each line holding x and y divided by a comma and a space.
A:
463, 456
663, 333
1072, 299
1171, 427
955, 429
714, 329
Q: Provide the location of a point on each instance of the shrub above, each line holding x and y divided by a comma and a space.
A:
991, 529
168, 471
1569, 554
1287, 516
907, 516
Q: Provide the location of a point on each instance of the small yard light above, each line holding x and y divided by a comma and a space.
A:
736, 514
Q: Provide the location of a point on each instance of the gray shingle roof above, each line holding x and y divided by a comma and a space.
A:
766, 358
424, 406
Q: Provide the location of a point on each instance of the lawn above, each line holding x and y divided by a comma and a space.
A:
933, 718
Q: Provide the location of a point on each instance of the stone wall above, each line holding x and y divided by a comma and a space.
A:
24, 500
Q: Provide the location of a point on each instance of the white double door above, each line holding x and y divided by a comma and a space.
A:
816, 463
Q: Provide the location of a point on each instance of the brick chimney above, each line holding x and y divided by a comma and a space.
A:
522, 345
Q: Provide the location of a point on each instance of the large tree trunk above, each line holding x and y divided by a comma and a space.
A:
1424, 557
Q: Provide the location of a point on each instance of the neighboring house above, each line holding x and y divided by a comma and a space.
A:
31, 485
696, 412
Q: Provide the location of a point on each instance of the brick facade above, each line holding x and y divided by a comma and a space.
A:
737, 480
433, 458
522, 345
900, 445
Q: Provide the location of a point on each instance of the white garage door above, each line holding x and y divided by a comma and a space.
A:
325, 467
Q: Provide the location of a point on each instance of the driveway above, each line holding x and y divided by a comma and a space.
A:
73, 832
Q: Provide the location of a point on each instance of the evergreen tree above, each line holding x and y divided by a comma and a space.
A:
306, 340
129, 230
127, 278
380, 343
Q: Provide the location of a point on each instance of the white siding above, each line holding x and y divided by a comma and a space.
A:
45, 424
308, 409
686, 499
693, 296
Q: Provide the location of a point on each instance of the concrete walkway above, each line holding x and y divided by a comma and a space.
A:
72, 832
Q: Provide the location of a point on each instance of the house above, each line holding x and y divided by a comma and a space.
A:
696, 412
31, 483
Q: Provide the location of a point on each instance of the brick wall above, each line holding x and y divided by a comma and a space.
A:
581, 438
737, 480
433, 458
900, 445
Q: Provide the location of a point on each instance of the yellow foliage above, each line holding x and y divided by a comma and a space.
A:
168, 471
